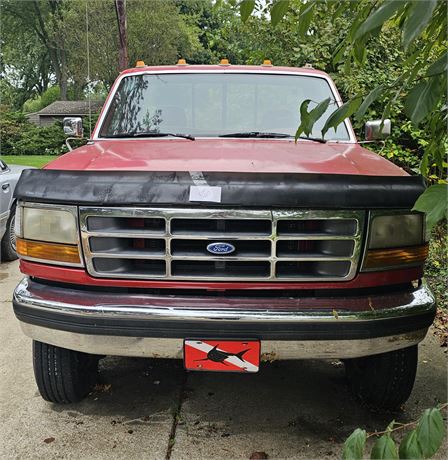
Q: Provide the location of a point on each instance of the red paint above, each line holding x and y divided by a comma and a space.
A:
79, 276
226, 155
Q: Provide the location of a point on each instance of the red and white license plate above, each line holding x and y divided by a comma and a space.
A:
222, 355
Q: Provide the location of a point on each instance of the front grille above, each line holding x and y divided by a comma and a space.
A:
277, 245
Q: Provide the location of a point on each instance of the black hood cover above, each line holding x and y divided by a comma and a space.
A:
140, 188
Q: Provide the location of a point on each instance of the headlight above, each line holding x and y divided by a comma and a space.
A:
395, 231
395, 240
48, 233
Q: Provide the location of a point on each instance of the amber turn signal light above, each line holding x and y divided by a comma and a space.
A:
377, 259
55, 252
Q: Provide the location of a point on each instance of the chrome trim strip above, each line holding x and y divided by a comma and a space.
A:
271, 350
168, 214
99, 305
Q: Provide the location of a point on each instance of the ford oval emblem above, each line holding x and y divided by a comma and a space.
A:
221, 248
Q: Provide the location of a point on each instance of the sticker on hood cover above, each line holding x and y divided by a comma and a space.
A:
205, 193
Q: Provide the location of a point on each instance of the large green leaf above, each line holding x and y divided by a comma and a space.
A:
409, 447
278, 10
360, 51
340, 114
418, 15
422, 99
305, 121
384, 448
438, 67
319, 110
371, 97
433, 202
354, 445
379, 17
305, 17
246, 8
430, 430
308, 119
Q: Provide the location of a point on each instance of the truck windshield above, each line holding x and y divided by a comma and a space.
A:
214, 104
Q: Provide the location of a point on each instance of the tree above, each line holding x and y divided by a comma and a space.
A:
157, 34
422, 83
45, 19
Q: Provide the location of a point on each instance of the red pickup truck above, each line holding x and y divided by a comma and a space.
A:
192, 225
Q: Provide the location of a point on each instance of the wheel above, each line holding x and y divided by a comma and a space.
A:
384, 381
8, 243
63, 376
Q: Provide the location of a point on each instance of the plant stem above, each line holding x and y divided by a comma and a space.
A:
401, 426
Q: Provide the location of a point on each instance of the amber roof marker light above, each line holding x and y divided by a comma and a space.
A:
140, 64
224, 62
182, 62
267, 63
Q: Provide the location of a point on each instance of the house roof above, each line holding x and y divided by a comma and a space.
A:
70, 108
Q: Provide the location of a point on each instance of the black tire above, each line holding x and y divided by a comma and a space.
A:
8, 243
384, 381
63, 376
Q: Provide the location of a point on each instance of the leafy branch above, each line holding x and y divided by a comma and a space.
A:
422, 442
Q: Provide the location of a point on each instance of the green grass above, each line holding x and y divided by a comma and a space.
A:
28, 160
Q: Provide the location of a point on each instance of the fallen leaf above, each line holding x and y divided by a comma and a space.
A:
48, 440
102, 387
258, 456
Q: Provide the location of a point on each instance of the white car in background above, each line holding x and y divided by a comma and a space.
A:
9, 175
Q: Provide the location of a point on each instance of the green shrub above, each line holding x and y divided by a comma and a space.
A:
48, 140
20, 137
12, 125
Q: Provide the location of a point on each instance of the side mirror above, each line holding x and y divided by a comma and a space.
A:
374, 131
73, 127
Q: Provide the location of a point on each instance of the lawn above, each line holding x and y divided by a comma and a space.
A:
28, 160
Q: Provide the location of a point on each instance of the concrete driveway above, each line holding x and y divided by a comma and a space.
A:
153, 409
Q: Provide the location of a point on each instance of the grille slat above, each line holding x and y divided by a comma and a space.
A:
277, 245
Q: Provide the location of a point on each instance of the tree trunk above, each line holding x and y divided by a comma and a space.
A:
120, 8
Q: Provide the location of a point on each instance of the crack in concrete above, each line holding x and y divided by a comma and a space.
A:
176, 416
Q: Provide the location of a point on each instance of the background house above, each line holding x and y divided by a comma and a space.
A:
57, 110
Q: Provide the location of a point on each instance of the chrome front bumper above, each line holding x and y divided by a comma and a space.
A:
155, 326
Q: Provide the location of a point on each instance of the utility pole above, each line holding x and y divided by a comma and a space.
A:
120, 8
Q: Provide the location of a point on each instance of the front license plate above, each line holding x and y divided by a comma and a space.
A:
222, 355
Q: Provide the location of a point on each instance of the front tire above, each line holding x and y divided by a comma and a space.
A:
8, 243
63, 376
383, 381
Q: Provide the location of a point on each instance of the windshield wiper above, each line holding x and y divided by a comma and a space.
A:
153, 134
262, 134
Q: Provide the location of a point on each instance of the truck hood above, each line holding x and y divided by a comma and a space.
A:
226, 155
